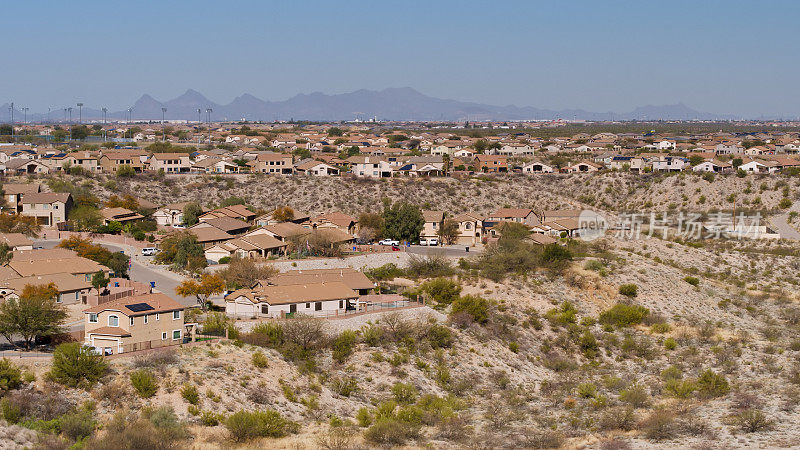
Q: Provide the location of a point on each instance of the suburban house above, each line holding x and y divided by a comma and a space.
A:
354, 279
537, 167
229, 225
121, 215
491, 163
252, 246
87, 160
169, 162
470, 229
433, 223
28, 263
136, 322
16, 241
314, 299
71, 288
518, 215
239, 212
339, 220
21, 166
49, 208
277, 163
370, 167
669, 164
112, 160
13, 193
584, 166
281, 231
215, 165
170, 215
713, 165
316, 168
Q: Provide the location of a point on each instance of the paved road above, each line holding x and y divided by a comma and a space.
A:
782, 226
453, 251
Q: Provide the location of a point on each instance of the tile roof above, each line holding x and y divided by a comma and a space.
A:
158, 301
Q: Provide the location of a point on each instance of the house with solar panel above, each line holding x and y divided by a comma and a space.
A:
137, 322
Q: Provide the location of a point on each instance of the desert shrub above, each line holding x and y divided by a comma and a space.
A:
588, 344
659, 425
224, 260
216, 323
555, 257
11, 412
211, 419
372, 335
77, 425
443, 291
190, 393
260, 360
670, 343
429, 266
344, 386
753, 420
587, 390
158, 360
267, 334
302, 337
10, 375
563, 315
712, 385
622, 315
389, 431
619, 418
680, 388
363, 417
385, 272
694, 281
660, 327
629, 290
144, 383
246, 425
635, 396
476, 307
77, 366
439, 336
153, 429
404, 393
543, 439
343, 345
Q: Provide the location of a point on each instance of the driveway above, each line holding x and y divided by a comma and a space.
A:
782, 226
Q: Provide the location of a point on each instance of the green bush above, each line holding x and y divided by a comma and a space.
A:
587, 390
564, 315
10, 375
225, 260
363, 417
784, 203
680, 388
343, 345
443, 291
389, 431
440, 336
190, 394
77, 425
712, 385
405, 393
694, 281
246, 425
344, 386
635, 395
622, 315
126, 171
11, 412
670, 344
260, 360
144, 382
211, 419
660, 327
629, 290
555, 257
77, 366
476, 307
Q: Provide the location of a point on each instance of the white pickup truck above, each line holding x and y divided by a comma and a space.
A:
389, 242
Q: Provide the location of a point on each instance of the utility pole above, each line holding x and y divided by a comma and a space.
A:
163, 130
105, 132
80, 112
11, 108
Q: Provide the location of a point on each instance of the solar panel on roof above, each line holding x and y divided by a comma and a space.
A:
139, 307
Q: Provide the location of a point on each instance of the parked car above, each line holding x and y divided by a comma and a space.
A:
430, 241
149, 251
395, 248
179, 226
389, 242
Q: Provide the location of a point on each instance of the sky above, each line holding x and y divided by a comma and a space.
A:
727, 57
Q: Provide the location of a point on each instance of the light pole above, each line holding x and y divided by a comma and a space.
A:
163, 130
65, 115
208, 114
130, 118
199, 111
25, 111
70, 114
80, 112
11, 108
105, 132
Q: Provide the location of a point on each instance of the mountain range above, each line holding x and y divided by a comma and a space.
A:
387, 104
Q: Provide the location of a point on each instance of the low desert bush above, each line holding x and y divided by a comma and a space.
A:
10, 375
246, 425
712, 385
477, 308
77, 366
144, 383
260, 360
629, 290
190, 393
623, 315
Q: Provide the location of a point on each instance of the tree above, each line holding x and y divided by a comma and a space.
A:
85, 218
208, 285
695, 160
181, 250
116, 261
75, 365
80, 132
99, 280
369, 225
5, 130
127, 201
448, 231
232, 200
283, 214
191, 212
403, 221
737, 162
244, 272
126, 171
6, 253
18, 223
332, 131
34, 314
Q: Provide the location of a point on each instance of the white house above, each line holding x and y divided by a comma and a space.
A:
313, 299
537, 167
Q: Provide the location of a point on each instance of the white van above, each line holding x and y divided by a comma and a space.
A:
149, 251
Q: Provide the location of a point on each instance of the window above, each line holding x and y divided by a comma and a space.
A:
308, 305
131, 321
164, 336
113, 321
92, 318
158, 316
146, 317
176, 334
264, 309
176, 315
318, 306
341, 304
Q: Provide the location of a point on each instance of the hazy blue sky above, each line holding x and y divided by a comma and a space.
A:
717, 56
